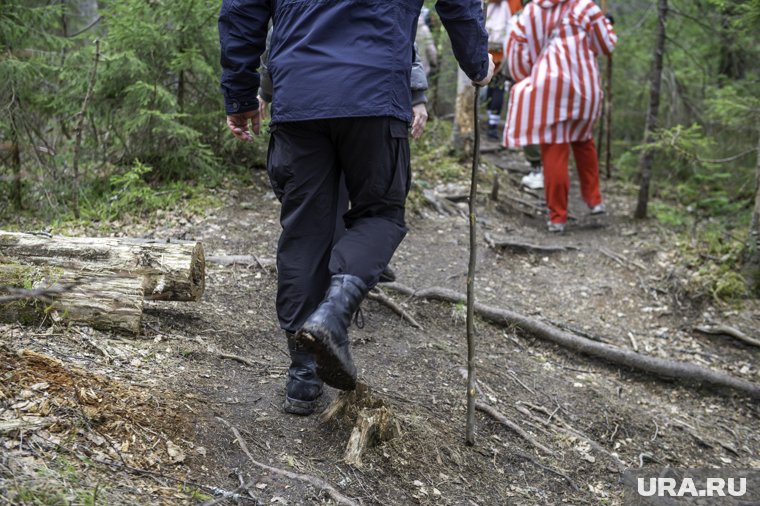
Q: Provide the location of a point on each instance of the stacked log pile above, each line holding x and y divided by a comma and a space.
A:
100, 282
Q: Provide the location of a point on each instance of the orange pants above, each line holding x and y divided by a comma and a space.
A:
555, 159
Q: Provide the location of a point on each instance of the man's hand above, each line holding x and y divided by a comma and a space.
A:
419, 119
238, 124
487, 79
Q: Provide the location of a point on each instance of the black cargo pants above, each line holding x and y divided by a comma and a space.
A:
305, 162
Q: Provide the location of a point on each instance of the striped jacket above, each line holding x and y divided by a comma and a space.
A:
551, 55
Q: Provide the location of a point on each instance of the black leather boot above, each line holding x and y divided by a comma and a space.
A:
304, 386
325, 332
388, 275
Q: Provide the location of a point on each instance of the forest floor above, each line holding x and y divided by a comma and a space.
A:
105, 419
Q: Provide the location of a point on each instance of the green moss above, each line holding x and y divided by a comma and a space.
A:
713, 253
729, 286
26, 311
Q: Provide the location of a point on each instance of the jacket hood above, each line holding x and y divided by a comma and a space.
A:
548, 4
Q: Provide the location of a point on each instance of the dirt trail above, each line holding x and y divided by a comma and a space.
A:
616, 284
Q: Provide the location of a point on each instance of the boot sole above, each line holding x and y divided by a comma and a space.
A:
329, 367
299, 407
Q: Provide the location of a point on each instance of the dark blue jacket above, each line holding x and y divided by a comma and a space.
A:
337, 58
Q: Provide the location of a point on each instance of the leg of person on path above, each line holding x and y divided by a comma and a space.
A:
494, 103
373, 154
588, 172
304, 175
554, 158
378, 178
388, 275
534, 180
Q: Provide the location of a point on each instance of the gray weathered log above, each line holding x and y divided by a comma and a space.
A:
169, 271
103, 301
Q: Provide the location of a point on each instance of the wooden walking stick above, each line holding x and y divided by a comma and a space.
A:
607, 111
471, 391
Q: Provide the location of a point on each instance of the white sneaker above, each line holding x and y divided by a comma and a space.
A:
555, 228
599, 209
534, 180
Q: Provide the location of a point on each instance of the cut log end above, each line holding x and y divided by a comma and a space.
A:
183, 285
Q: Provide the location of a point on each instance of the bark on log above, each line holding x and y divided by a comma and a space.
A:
169, 271
102, 301
683, 371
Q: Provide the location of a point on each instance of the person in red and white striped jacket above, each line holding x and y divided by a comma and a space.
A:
551, 55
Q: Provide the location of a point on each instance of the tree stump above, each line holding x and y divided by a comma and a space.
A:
373, 421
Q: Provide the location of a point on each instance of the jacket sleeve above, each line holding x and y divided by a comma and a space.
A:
463, 20
419, 82
518, 55
242, 36
265, 87
602, 36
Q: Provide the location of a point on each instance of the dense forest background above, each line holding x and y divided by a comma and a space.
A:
112, 110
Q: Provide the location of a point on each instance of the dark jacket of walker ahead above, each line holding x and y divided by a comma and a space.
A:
337, 58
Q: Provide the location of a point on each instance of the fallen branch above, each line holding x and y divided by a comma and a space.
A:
529, 209
26, 424
523, 247
720, 330
481, 405
237, 358
541, 210
311, 480
707, 442
548, 468
624, 262
378, 295
246, 260
566, 428
684, 371
496, 415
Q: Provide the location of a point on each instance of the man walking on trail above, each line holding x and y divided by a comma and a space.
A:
341, 106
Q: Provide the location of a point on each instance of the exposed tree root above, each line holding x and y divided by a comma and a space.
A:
496, 415
684, 371
378, 295
548, 468
728, 331
305, 478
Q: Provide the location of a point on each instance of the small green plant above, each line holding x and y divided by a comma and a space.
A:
198, 496
714, 258
129, 195
670, 215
